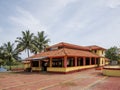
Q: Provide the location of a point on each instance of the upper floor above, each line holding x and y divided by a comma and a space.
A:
94, 48
97, 50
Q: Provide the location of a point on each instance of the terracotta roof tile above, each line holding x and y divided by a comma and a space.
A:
68, 45
95, 47
72, 52
107, 59
64, 51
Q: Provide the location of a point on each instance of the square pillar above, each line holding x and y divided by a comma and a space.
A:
50, 62
84, 61
65, 62
75, 61
31, 64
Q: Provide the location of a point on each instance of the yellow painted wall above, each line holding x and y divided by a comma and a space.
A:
79, 67
36, 68
26, 65
99, 52
107, 62
102, 61
102, 54
61, 69
56, 69
111, 72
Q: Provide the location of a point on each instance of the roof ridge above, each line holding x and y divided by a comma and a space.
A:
63, 43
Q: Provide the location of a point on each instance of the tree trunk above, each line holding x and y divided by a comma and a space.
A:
10, 64
28, 52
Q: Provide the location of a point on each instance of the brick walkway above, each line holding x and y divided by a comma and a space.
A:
84, 80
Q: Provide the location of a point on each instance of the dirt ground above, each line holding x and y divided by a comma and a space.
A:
85, 80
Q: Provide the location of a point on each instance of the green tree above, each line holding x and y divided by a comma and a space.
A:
40, 41
10, 53
25, 42
1, 56
112, 53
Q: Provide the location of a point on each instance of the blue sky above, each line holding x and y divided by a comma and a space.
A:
82, 22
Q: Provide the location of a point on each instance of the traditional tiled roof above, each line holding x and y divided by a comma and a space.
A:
64, 52
95, 47
68, 45
107, 59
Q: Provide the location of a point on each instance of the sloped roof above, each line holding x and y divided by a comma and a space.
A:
95, 47
68, 45
64, 52
107, 59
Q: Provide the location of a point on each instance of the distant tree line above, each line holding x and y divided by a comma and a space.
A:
113, 53
9, 52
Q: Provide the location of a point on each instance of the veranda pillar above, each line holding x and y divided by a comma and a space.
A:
75, 61
84, 61
65, 62
31, 65
50, 62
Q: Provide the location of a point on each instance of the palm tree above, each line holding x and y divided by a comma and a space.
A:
1, 52
1, 55
40, 41
10, 53
25, 42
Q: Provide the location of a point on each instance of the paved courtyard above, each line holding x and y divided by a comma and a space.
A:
85, 80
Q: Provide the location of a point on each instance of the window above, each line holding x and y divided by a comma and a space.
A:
95, 51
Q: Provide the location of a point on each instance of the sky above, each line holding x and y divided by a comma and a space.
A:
81, 22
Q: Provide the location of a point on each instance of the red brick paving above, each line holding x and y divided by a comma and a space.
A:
111, 83
89, 79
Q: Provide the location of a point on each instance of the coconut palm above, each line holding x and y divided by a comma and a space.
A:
40, 41
1, 56
1, 52
25, 42
10, 53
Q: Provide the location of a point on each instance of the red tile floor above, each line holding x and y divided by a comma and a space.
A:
85, 80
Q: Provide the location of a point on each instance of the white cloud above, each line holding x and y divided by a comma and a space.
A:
51, 10
91, 24
25, 20
112, 3
76, 21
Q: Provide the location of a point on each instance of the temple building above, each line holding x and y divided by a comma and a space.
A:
65, 58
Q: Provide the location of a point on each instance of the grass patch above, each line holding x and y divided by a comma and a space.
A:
14, 66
